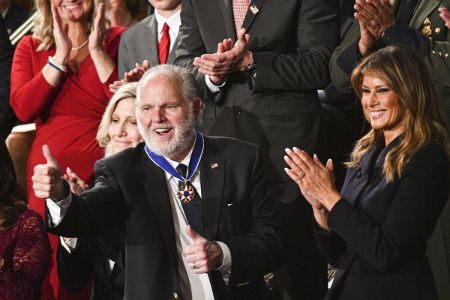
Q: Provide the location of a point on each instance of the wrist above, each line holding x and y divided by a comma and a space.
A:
61, 58
247, 60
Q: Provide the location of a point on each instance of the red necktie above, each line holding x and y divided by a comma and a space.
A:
164, 45
240, 8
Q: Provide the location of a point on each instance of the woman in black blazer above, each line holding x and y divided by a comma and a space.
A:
375, 230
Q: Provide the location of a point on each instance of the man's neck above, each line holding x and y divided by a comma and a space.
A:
168, 13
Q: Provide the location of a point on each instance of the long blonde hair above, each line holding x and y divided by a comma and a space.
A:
405, 72
126, 91
43, 23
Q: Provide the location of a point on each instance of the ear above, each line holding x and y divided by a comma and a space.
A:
197, 106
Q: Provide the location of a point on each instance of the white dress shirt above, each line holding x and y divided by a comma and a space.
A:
174, 22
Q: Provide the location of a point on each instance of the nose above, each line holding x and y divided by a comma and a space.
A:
121, 129
372, 99
158, 115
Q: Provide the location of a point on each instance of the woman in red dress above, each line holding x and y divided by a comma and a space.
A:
60, 78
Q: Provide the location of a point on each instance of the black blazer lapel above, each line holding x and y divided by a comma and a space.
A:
252, 13
155, 186
212, 178
228, 21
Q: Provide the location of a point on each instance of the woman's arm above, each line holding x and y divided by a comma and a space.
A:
410, 220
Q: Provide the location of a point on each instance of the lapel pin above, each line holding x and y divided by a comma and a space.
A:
254, 9
214, 165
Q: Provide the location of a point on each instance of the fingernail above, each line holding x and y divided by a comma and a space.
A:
314, 155
288, 150
295, 149
68, 169
286, 170
286, 157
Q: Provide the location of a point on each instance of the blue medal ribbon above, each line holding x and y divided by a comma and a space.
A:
196, 156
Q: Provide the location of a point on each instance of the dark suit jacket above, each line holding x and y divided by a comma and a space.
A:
140, 42
91, 256
380, 230
7, 116
291, 41
236, 210
15, 17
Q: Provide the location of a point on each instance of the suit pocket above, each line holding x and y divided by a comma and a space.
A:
240, 216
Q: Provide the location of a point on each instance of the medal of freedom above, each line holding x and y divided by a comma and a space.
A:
186, 192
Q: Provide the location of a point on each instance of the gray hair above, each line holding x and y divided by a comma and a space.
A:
180, 74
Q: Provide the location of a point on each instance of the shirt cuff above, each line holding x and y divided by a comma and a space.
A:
225, 267
69, 244
58, 209
212, 87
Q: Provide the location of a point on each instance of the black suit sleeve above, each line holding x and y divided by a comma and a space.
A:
74, 269
410, 220
95, 211
7, 117
257, 251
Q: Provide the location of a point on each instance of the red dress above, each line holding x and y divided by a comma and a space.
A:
67, 119
26, 252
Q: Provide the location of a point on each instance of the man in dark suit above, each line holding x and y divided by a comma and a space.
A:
263, 89
153, 39
231, 240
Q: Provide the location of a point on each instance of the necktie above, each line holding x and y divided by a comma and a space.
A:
406, 11
240, 8
164, 45
193, 208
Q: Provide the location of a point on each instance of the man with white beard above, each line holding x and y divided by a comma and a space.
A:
195, 211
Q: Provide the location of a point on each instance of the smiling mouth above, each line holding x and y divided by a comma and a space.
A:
376, 114
71, 5
162, 131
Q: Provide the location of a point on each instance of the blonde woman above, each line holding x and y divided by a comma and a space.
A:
375, 230
60, 81
79, 258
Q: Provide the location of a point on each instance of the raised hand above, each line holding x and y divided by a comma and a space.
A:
445, 15
315, 180
77, 186
47, 181
98, 34
60, 34
202, 255
228, 58
133, 75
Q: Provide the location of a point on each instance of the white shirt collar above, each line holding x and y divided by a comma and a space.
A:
174, 22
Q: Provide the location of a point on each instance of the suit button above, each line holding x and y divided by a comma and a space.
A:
175, 296
238, 111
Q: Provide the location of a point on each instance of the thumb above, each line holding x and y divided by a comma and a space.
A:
192, 234
330, 165
51, 161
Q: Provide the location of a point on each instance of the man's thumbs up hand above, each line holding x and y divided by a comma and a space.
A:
202, 255
47, 181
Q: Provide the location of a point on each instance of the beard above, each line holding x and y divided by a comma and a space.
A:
180, 141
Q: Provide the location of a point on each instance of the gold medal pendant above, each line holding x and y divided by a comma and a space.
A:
186, 192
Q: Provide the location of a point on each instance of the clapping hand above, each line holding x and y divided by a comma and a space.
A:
445, 15
60, 34
98, 34
315, 180
133, 75
374, 17
229, 57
